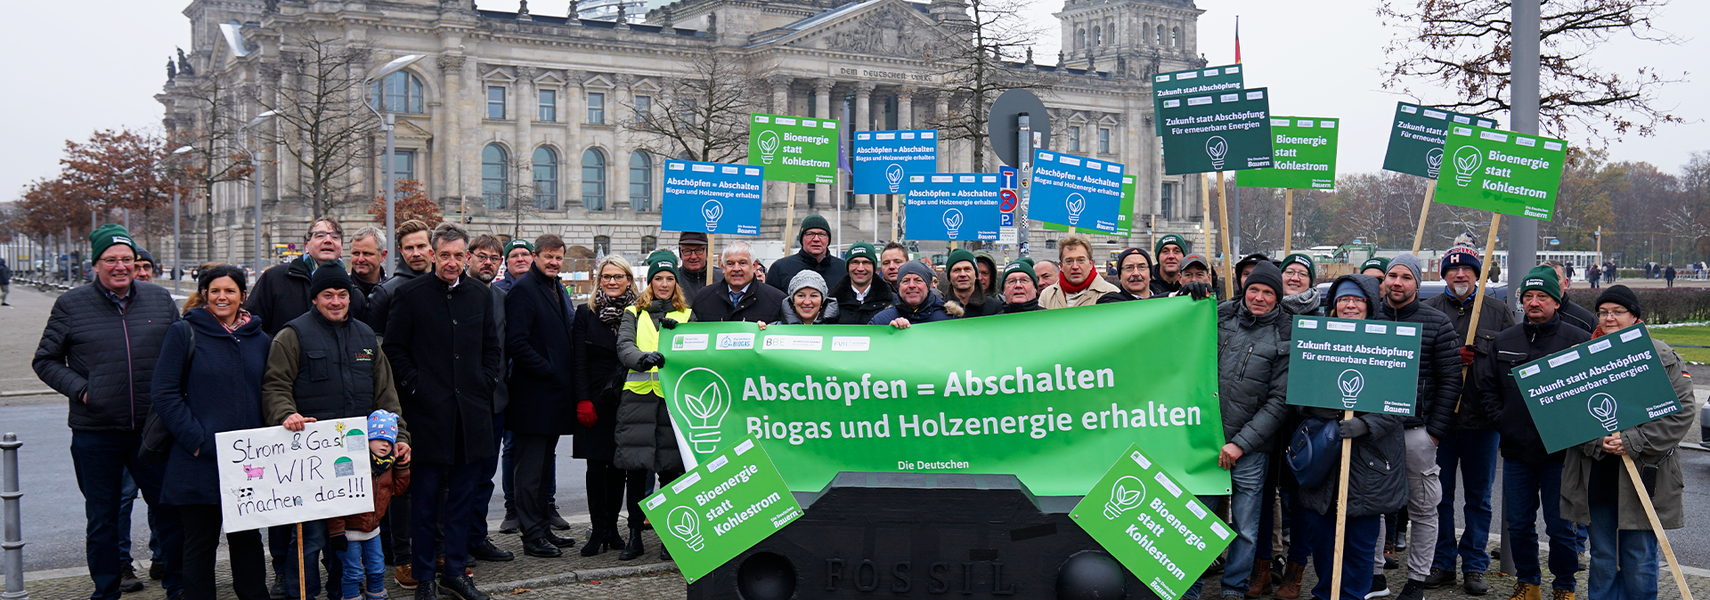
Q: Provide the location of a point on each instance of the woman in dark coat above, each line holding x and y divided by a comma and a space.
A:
197, 393
645, 437
599, 381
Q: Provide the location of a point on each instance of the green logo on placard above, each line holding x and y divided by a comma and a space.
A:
1148, 522
1343, 364
796, 149
1221, 132
1303, 151
701, 398
1608, 384
1501, 171
720, 509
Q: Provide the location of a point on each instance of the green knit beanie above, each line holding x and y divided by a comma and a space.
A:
862, 250
1020, 266
1305, 261
661, 260
1381, 264
106, 236
1542, 278
813, 222
1173, 238
519, 243
956, 256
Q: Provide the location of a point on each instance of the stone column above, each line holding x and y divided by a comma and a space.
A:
618, 161
905, 108
575, 113
780, 93
940, 108
451, 105
524, 110
863, 106
822, 107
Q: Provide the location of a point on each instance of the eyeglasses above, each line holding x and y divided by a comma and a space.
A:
817, 235
1135, 267
688, 250
333, 235
487, 258
620, 277
1350, 300
1613, 313
114, 262
1079, 260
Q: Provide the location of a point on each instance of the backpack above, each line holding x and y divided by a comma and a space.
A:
156, 438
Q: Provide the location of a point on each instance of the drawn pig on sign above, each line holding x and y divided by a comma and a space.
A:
253, 472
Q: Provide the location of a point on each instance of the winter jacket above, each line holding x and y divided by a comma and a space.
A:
693, 281
851, 311
1161, 288
357, 391
366, 288
1493, 318
645, 438
501, 391
598, 377
784, 269
1306, 304
1252, 374
1439, 366
978, 305
101, 354
1021, 307
394, 481
5, 273
1053, 297
220, 390
759, 303
282, 294
445, 347
931, 310
1576, 315
827, 313
1118, 296
1515, 346
539, 339
1653, 445
379, 309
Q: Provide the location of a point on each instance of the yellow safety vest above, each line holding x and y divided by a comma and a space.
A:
647, 340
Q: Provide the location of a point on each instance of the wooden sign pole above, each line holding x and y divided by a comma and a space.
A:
1223, 229
302, 580
1478, 292
1341, 513
1656, 525
789, 215
1288, 220
1419, 234
1205, 213
709, 279
896, 208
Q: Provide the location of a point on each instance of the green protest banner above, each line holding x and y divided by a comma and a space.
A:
1220, 132
1124, 218
721, 508
1303, 155
1192, 82
1416, 138
1501, 171
1151, 524
795, 149
1596, 388
1343, 364
939, 397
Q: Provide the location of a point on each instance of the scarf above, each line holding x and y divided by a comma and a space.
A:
609, 310
382, 463
237, 323
1069, 288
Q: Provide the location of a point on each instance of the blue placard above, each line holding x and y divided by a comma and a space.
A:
1075, 191
885, 159
712, 197
953, 206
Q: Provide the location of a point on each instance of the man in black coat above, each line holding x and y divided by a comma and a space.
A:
444, 344
537, 338
486, 259
415, 258
99, 350
282, 292
1570, 313
860, 295
1531, 476
739, 298
815, 255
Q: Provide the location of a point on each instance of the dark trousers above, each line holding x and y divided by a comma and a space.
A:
202, 538
399, 517
457, 508
1526, 489
607, 486
100, 459
484, 490
1472, 453
508, 479
282, 544
533, 454
1359, 549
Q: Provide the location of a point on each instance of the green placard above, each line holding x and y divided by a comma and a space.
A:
796, 149
1303, 155
1501, 171
1229, 131
1416, 138
1124, 218
1151, 524
827, 399
1192, 82
1343, 364
721, 508
1596, 388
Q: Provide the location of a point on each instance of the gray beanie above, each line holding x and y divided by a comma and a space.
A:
808, 279
1406, 259
916, 267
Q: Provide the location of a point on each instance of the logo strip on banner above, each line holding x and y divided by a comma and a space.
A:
712, 197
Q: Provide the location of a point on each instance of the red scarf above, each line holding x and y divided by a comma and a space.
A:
1069, 288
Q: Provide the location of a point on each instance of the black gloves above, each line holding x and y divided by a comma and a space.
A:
668, 323
1353, 427
338, 543
651, 360
1198, 290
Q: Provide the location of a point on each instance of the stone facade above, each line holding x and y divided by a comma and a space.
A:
556, 92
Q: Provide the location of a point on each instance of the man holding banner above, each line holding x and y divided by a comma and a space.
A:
815, 255
1079, 283
1170, 250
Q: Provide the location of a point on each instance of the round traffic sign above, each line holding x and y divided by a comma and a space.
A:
1006, 200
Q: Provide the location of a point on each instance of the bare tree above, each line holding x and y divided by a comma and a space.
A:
703, 116
518, 198
212, 136
1465, 46
317, 94
975, 69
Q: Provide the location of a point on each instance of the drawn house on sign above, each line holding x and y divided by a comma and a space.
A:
344, 467
355, 441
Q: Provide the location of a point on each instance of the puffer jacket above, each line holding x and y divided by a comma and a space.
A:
1516, 346
101, 357
1252, 374
1439, 366
645, 437
930, 310
1493, 318
827, 313
1652, 445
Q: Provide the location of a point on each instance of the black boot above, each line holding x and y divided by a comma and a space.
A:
635, 549
596, 541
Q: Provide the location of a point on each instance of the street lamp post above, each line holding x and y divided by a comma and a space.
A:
255, 183
386, 124
177, 253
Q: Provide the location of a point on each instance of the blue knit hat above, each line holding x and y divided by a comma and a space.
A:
383, 425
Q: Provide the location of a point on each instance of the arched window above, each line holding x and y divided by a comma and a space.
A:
649, 244
1097, 36
594, 179
1145, 33
641, 181
1175, 37
545, 178
400, 92
1080, 38
1158, 34
495, 175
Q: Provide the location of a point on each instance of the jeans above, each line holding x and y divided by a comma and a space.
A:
127, 499
1623, 562
1247, 480
1359, 545
314, 541
1474, 453
364, 569
458, 512
99, 459
202, 539
1525, 487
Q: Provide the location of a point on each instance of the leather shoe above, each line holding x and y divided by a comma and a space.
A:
484, 550
461, 586
128, 581
427, 590
561, 542
541, 549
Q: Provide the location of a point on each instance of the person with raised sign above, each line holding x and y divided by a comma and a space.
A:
1133, 275
646, 440
1531, 476
859, 296
738, 299
808, 302
1597, 491
815, 255
915, 301
1079, 283
961, 289
1020, 288
1171, 250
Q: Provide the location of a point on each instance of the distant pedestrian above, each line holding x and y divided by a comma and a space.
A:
1668, 274
1594, 275
5, 282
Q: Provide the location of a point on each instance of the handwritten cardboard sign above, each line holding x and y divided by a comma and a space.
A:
271, 476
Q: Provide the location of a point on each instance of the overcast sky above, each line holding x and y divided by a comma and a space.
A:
99, 63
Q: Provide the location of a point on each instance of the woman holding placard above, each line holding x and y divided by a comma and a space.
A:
208, 381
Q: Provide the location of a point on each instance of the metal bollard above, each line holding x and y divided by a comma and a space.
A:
14, 534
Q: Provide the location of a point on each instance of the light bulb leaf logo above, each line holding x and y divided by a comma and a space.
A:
712, 210
1350, 382
1433, 162
768, 146
1075, 203
1127, 494
1467, 161
685, 523
894, 175
953, 223
1217, 148
701, 399
1602, 406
